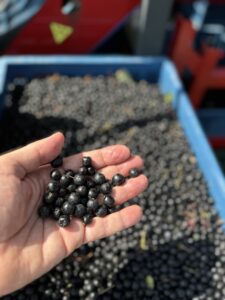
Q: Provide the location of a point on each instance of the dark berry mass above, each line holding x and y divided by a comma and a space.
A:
57, 162
50, 197
64, 221
82, 190
93, 192
57, 213
79, 211
53, 186
74, 198
177, 250
83, 170
65, 181
92, 204
118, 179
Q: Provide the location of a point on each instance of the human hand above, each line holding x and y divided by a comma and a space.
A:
30, 246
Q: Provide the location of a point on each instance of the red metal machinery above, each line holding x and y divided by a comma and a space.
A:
202, 65
53, 31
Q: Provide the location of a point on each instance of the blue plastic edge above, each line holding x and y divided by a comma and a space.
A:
157, 69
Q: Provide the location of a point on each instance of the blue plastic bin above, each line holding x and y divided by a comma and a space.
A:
155, 70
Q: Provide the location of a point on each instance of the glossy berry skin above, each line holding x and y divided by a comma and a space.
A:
59, 201
79, 179
91, 171
93, 193
65, 181
109, 201
55, 174
69, 173
82, 190
118, 179
83, 170
57, 162
44, 211
134, 172
53, 186
106, 188
50, 197
71, 188
99, 178
56, 213
87, 219
74, 198
102, 211
79, 211
86, 161
92, 204
64, 221
68, 208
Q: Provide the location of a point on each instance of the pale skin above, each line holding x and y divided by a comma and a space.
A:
30, 246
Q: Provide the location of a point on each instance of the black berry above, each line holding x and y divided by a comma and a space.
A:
50, 197
74, 198
68, 208
55, 174
64, 221
82, 190
71, 188
91, 171
44, 211
106, 188
93, 193
65, 181
92, 204
79, 211
87, 219
109, 201
69, 173
118, 179
57, 213
134, 172
53, 186
86, 161
102, 211
99, 178
79, 179
59, 201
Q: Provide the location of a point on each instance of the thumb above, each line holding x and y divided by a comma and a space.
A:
34, 155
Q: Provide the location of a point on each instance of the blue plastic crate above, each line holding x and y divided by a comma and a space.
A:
155, 70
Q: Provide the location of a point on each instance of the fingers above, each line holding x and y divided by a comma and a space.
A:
103, 227
101, 158
124, 167
130, 189
34, 155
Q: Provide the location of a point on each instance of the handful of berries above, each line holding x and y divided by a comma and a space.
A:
84, 194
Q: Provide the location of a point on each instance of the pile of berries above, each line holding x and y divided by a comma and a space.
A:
84, 194
177, 250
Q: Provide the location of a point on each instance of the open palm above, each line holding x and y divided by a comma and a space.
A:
30, 246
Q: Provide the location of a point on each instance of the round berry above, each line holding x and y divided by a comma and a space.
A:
102, 211
68, 208
65, 181
53, 186
92, 204
106, 188
82, 190
93, 193
134, 172
50, 197
44, 211
118, 179
57, 162
64, 221
74, 198
71, 188
109, 201
90, 183
87, 219
79, 179
55, 174
91, 171
86, 161
79, 211
99, 178
83, 171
